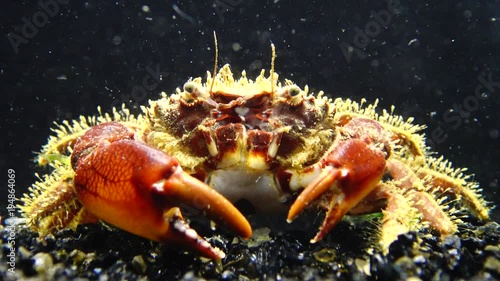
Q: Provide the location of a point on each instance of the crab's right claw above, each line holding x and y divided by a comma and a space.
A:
140, 189
352, 171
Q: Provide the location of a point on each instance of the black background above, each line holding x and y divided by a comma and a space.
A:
94, 53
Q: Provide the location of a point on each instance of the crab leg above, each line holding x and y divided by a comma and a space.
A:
352, 170
140, 189
399, 217
423, 202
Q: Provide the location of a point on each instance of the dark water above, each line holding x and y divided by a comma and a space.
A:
438, 62
425, 59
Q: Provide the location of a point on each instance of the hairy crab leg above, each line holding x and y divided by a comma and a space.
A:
431, 211
140, 189
352, 170
44, 212
399, 218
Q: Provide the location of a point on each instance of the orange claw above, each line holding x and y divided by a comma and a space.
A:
139, 189
352, 171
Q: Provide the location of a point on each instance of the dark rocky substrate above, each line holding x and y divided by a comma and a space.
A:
98, 252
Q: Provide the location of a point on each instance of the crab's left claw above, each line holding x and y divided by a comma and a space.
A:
140, 189
352, 170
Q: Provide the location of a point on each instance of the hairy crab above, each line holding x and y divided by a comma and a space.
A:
224, 139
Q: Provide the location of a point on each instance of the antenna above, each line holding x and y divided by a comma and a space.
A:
216, 61
273, 51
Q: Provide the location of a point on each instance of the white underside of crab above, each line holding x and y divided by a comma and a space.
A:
259, 187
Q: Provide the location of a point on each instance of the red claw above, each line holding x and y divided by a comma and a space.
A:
139, 189
352, 171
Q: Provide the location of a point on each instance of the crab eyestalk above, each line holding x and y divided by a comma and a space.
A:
140, 189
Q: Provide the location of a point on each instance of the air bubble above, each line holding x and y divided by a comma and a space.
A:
236, 47
117, 40
494, 133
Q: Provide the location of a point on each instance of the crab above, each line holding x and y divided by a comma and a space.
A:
221, 140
